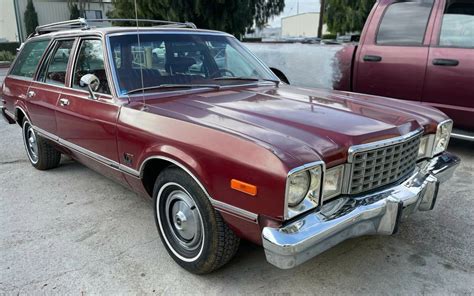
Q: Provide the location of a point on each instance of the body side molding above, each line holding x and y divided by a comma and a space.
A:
221, 206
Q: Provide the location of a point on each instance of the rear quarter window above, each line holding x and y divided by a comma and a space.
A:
29, 58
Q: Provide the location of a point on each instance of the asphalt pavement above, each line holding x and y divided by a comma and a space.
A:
73, 231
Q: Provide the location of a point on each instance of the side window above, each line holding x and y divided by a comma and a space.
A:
90, 60
54, 69
28, 59
405, 22
458, 25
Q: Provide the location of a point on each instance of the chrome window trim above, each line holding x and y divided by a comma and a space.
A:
380, 144
113, 70
222, 206
108, 72
287, 214
40, 61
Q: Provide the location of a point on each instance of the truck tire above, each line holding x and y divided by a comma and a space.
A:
42, 155
193, 232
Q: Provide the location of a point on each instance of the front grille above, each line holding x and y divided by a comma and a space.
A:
381, 166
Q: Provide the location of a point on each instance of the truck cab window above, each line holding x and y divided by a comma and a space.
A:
29, 58
404, 23
458, 25
90, 60
54, 69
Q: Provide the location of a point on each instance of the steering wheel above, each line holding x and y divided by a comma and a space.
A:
221, 72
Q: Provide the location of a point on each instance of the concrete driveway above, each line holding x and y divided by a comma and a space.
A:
71, 231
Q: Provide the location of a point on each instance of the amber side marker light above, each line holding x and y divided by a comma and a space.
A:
243, 187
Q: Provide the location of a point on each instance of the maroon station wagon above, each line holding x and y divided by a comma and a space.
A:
195, 121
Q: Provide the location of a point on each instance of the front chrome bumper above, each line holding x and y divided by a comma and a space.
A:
347, 217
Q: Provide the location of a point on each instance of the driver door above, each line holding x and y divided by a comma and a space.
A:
87, 125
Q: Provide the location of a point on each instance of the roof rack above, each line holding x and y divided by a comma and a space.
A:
82, 23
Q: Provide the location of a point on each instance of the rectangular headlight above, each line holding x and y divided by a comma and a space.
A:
333, 182
443, 134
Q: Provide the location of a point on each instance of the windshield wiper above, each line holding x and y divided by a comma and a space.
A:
173, 86
247, 79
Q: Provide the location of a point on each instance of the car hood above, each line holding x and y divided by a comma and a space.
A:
300, 124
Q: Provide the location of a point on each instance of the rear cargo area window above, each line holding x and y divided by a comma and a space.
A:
29, 58
404, 23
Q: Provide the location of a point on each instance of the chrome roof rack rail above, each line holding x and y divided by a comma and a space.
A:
150, 21
82, 23
59, 26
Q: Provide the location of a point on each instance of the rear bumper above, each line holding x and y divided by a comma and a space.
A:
345, 217
7, 116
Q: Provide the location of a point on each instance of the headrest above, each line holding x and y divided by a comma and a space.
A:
179, 64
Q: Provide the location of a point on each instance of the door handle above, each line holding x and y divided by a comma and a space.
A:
31, 94
64, 102
445, 62
372, 58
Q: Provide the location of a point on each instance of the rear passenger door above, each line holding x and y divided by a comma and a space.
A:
44, 91
449, 83
86, 124
392, 58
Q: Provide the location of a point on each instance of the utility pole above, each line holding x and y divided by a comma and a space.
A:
322, 10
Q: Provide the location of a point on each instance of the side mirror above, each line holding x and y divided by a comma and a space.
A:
92, 83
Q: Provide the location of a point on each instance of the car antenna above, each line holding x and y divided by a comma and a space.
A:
144, 107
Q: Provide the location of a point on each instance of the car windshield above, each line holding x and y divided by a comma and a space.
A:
169, 61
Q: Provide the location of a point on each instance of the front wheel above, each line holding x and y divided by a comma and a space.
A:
194, 234
42, 155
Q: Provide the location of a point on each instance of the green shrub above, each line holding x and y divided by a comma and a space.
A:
329, 36
6, 56
9, 46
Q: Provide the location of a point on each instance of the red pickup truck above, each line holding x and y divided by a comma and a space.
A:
422, 51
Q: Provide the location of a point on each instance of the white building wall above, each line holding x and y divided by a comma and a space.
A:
49, 11
301, 25
8, 28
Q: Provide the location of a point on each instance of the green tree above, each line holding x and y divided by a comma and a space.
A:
74, 11
343, 16
235, 17
30, 17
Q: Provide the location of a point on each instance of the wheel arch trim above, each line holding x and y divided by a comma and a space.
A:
221, 206
19, 108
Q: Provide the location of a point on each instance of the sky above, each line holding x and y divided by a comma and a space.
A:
291, 9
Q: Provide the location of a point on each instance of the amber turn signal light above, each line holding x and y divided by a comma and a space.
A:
243, 187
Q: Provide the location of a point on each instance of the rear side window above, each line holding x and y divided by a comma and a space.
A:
458, 25
404, 23
55, 69
28, 58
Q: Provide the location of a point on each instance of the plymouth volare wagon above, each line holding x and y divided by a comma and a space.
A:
195, 121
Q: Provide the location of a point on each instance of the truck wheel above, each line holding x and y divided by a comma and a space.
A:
42, 155
193, 232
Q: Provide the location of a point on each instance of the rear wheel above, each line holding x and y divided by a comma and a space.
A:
42, 155
194, 234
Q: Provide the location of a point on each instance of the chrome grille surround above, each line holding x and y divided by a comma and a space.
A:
377, 164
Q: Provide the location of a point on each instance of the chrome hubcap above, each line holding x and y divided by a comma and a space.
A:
184, 220
31, 143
